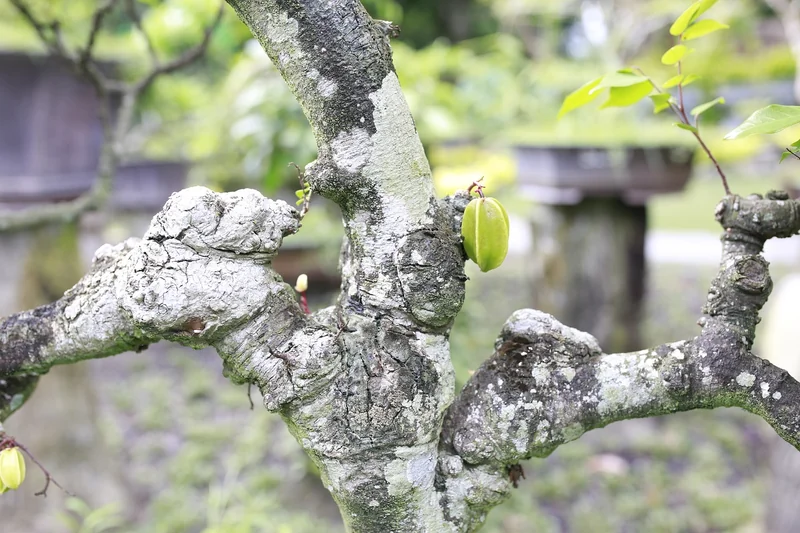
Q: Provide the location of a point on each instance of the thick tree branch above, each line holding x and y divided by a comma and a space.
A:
87, 322
200, 276
547, 384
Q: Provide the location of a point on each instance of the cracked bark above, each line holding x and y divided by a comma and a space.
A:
366, 386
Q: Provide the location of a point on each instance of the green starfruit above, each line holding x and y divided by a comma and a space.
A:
485, 231
12, 468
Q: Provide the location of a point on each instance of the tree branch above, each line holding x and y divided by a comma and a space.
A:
187, 58
87, 322
547, 384
199, 277
97, 21
133, 14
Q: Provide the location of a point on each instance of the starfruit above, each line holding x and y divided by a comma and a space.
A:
485, 231
12, 467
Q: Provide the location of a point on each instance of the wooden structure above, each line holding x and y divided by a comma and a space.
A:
588, 263
50, 141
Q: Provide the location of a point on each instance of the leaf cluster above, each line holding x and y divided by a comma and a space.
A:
628, 86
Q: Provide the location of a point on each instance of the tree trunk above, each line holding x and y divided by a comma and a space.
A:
367, 385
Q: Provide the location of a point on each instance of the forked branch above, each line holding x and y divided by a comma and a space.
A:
547, 384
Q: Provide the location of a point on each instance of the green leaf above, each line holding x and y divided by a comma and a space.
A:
689, 79
661, 102
674, 54
626, 96
680, 79
580, 97
702, 28
674, 81
621, 78
789, 152
686, 127
703, 6
299, 202
770, 119
685, 18
690, 15
299, 193
702, 108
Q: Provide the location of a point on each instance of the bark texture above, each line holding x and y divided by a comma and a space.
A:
366, 386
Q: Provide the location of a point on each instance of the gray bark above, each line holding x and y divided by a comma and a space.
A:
366, 386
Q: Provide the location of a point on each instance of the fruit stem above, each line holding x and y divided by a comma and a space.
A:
10, 442
478, 187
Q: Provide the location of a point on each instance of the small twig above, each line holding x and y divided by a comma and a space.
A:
707, 150
190, 56
680, 96
680, 112
303, 186
39, 27
249, 397
130, 7
696, 134
97, 22
48, 478
793, 152
10, 442
477, 186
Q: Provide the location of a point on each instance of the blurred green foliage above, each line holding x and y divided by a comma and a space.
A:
489, 71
